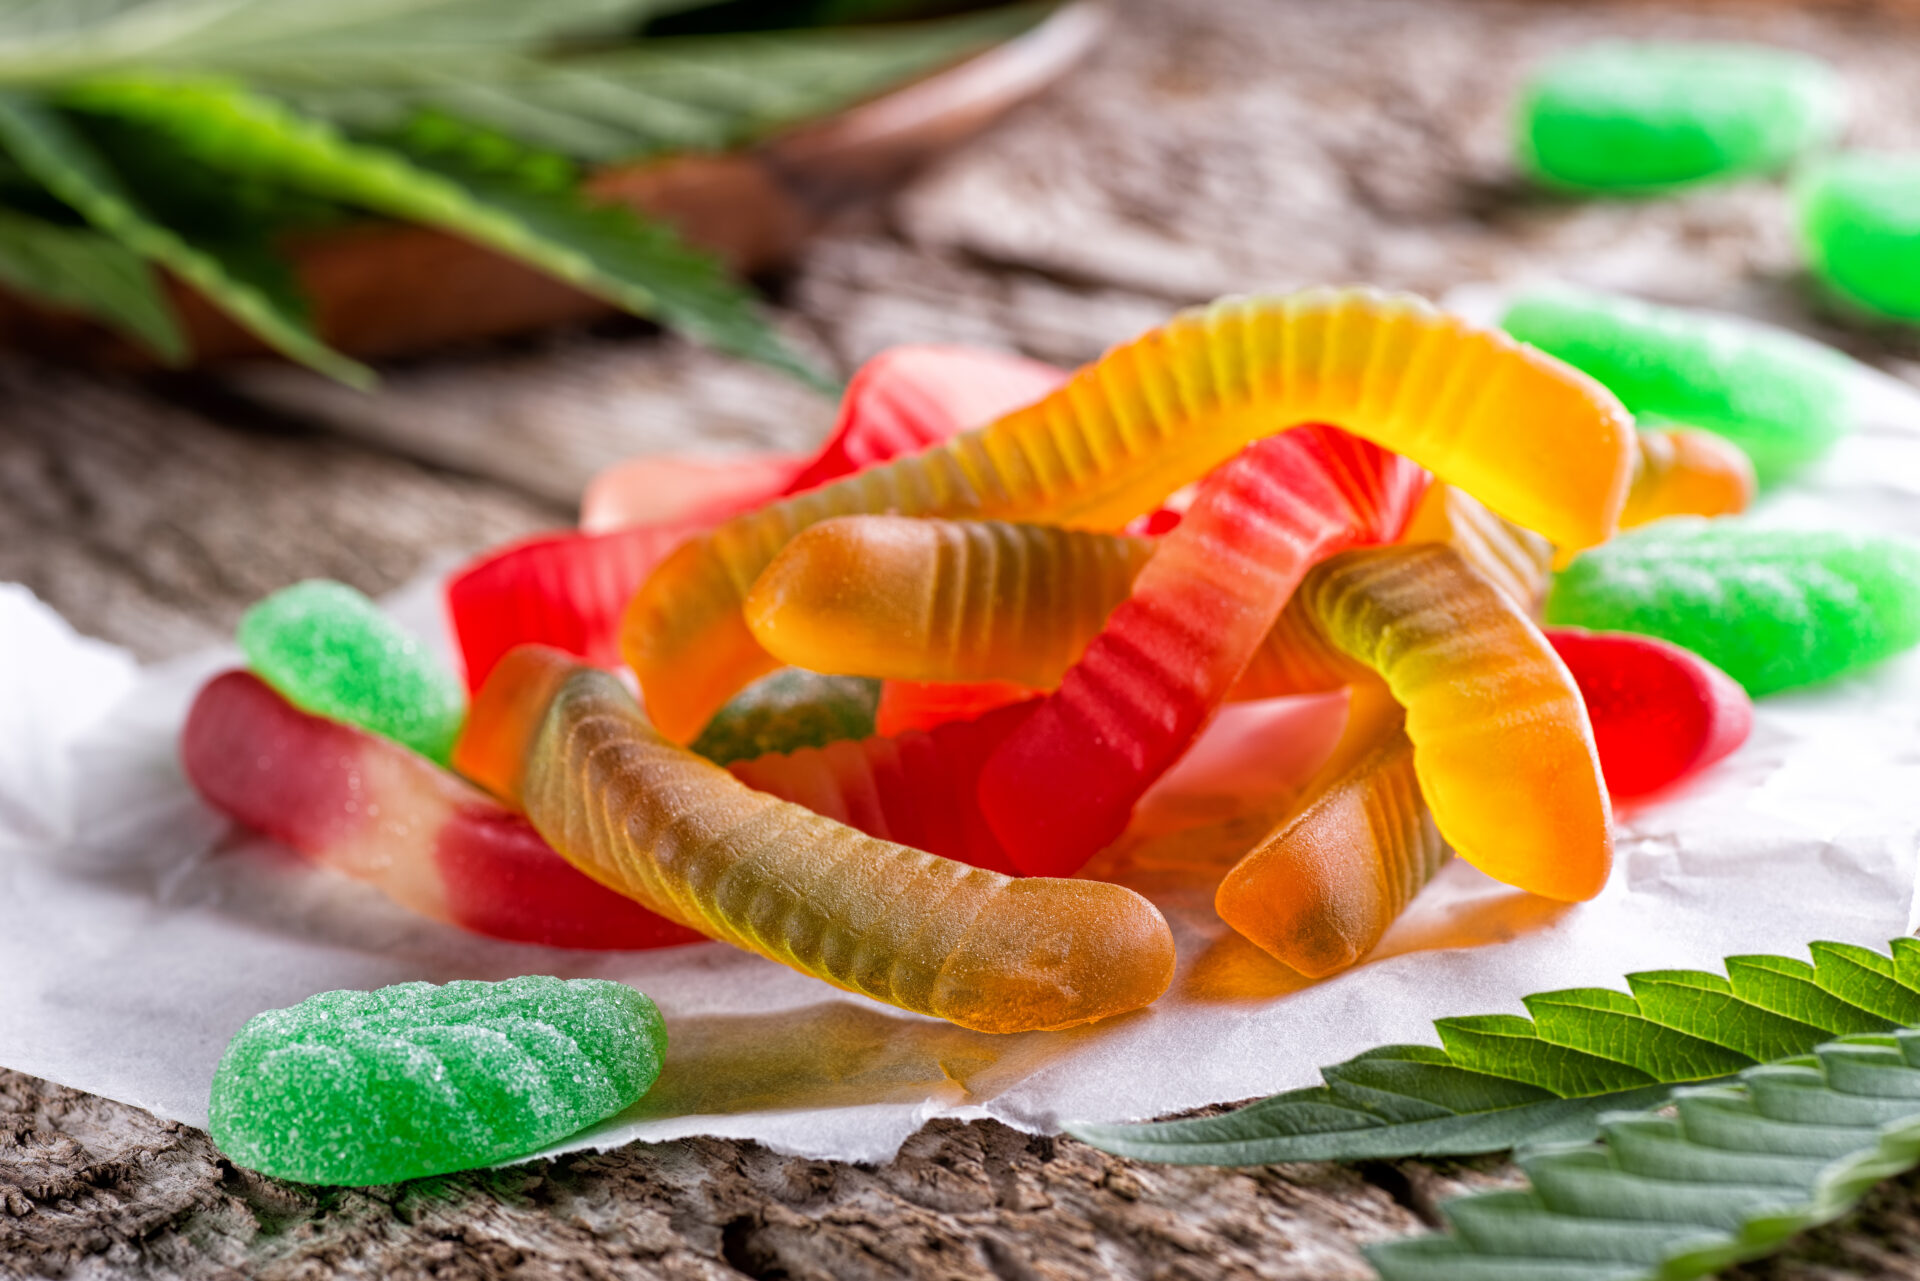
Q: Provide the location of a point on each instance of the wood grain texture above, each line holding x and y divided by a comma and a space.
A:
1207, 147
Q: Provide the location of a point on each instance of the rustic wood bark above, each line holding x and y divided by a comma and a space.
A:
1206, 148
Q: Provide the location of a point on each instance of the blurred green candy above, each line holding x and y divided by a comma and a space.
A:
1780, 397
1644, 117
374, 1087
1773, 608
1860, 224
329, 650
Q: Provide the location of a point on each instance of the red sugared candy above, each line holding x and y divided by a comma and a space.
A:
1659, 712
366, 806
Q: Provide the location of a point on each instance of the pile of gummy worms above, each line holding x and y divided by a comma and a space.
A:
1059, 579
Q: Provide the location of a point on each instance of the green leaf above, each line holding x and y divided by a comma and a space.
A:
243, 280
605, 250
46, 41
71, 268
1729, 1175
684, 94
1502, 1080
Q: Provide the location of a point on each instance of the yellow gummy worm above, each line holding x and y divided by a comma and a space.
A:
1320, 892
1534, 439
682, 836
1682, 472
944, 600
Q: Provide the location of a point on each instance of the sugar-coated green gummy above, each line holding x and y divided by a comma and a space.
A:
375, 1087
1773, 608
1780, 397
1643, 117
1860, 224
331, 651
789, 710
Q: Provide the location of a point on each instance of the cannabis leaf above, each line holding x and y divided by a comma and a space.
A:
1732, 1173
604, 250
1502, 1080
245, 280
89, 273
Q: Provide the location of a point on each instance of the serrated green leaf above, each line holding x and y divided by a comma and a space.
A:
693, 93
1501, 1080
605, 250
1734, 1172
72, 268
245, 281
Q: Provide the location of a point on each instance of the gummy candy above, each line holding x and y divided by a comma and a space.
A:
1517, 561
789, 710
1501, 742
1659, 713
332, 651
907, 398
1686, 473
907, 705
909, 599
1780, 397
1064, 783
1643, 117
566, 590
364, 806
684, 837
918, 788
666, 490
1772, 608
1320, 891
1156, 414
375, 1087
1860, 224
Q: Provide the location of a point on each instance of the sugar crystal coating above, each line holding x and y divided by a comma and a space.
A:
1772, 608
374, 1087
1860, 223
1780, 397
1639, 117
331, 651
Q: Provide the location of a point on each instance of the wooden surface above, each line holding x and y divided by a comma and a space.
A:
1206, 148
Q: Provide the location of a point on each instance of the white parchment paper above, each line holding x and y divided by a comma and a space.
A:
139, 930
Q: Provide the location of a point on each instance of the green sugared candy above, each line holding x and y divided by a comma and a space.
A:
1860, 223
789, 710
375, 1087
331, 651
1645, 117
1773, 608
1780, 397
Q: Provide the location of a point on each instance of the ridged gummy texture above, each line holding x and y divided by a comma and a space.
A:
928, 599
1619, 116
1860, 225
787, 711
1772, 608
1065, 782
1320, 892
1502, 745
366, 807
375, 1087
907, 398
1686, 473
565, 590
332, 651
918, 788
1535, 440
1780, 397
693, 843
1659, 712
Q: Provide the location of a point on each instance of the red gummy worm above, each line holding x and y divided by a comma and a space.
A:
368, 807
1064, 783
1659, 712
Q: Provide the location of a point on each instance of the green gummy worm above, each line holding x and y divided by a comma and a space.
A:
789, 710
